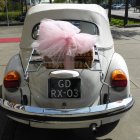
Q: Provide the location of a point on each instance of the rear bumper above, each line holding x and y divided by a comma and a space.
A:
67, 116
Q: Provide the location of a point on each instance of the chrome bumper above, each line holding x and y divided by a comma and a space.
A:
65, 115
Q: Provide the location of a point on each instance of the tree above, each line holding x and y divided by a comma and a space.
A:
126, 12
59, 1
2, 5
95, 1
109, 9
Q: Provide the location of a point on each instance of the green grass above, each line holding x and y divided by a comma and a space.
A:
11, 15
120, 22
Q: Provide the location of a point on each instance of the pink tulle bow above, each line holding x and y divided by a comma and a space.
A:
60, 38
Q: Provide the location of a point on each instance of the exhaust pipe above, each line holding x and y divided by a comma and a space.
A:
93, 127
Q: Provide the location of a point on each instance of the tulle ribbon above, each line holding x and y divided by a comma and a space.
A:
58, 39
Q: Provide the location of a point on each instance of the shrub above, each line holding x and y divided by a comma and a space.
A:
120, 22
11, 15
116, 22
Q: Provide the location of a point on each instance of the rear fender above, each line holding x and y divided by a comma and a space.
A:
117, 62
16, 96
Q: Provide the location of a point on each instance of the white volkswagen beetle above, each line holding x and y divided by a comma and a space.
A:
91, 92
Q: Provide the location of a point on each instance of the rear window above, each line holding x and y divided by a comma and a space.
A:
85, 27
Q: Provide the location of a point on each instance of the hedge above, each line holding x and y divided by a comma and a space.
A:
11, 15
120, 22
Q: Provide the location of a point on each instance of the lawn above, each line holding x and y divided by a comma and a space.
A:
120, 22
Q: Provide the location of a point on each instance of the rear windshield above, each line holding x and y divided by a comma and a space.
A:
85, 27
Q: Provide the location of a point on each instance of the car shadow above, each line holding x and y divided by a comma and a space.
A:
35, 133
0, 91
25, 132
104, 139
22, 132
124, 34
18, 131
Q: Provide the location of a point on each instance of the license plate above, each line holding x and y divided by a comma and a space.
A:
64, 88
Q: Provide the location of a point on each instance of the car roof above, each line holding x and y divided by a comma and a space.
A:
85, 12
81, 7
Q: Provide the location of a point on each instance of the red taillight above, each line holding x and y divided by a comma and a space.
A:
118, 79
12, 80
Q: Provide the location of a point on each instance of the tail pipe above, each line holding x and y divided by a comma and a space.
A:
93, 127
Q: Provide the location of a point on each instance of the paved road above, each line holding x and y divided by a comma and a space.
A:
127, 43
131, 13
8, 50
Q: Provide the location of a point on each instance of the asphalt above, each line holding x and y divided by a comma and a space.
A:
8, 49
127, 43
132, 14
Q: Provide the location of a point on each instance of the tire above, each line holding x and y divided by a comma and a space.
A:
9, 130
0, 91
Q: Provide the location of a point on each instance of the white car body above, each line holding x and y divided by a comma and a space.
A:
99, 102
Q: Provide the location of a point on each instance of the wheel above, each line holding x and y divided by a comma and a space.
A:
0, 91
9, 130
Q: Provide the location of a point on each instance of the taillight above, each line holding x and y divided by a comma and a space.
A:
118, 79
12, 80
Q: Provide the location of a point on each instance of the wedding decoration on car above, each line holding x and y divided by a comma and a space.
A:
62, 41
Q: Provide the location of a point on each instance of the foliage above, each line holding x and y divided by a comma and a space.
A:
12, 16
133, 22
59, 1
2, 5
116, 22
78, 1
95, 1
13, 5
120, 22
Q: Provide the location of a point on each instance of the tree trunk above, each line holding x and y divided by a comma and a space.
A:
126, 12
109, 9
98, 1
79, 1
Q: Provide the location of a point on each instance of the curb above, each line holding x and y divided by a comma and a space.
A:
12, 24
129, 18
131, 26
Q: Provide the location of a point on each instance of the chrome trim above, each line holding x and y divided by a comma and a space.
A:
87, 113
81, 111
64, 74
